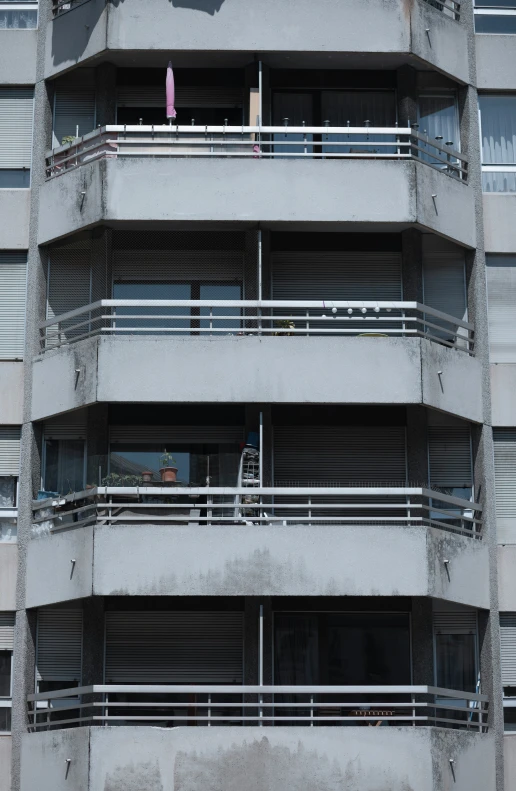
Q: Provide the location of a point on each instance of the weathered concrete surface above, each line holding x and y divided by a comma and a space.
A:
8, 570
506, 576
496, 62
509, 750
5, 763
158, 560
499, 225
64, 580
240, 190
11, 393
331, 29
18, 57
14, 219
270, 370
259, 759
503, 388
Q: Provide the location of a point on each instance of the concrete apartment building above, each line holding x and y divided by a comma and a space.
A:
257, 413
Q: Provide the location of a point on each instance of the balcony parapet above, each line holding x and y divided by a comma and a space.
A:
257, 142
255, 317
251, 505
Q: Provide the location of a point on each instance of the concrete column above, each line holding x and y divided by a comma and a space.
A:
105, 82
417, 446
422, 641
412, 264
407, 95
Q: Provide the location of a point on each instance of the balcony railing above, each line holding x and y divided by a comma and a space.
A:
270, 506
195, 318
255, 142
450, 8
174, 705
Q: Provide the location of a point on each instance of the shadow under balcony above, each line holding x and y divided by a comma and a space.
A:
391, 177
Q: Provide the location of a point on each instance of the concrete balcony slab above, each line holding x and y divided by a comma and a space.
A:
322, 758
247, 190
253, 560
368, 370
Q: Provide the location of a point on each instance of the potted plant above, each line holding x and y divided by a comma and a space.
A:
147, 476
285, 324
167, 470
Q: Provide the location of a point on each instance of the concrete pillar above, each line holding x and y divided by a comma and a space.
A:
406, 82
422, 642
105, 82
417, 446
412, 264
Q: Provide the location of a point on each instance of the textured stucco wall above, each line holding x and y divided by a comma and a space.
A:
258, 759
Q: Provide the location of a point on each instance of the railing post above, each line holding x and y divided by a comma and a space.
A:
209, 710
311, 711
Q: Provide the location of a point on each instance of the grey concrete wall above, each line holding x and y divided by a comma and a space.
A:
509, 748
11, 393
499, 226
5, 763
503, 388
259, 759
152, 560
18, 57
496, 62
71, 39
14, 219
240, 190
8, 569
507, 577
263, 370
439, 40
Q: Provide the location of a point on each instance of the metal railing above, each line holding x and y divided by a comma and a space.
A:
450, 8
62, 6
265, 142
271, 506
173, 705
122, 317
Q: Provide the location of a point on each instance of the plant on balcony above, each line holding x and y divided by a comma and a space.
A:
285, 324
114, 479
167, 470
68, 140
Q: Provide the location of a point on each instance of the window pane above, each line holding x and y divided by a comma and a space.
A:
5, 674
498, 117
14, 179
296, 649
7, 491
509, 719
297, 108
358, 108
64, 467
18, 19
224, 291
455, 657
159, 291
495, 4
5, 719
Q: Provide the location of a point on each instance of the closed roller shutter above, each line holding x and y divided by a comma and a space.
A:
505, 471
59, 651
16, 111
174, 647
347, 455
179, 434
449, 453
10, 440
154, 96
69, 287
13, 286
74, 112
171, 265
501, 292
459, 622
7, 620
444, 276
508, 647
72, 425
336, 275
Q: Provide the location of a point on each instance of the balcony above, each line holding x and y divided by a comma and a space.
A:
390, 33
317, 175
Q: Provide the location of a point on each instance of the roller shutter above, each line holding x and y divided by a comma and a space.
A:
197, 96
72, 425
10, 440
163, 435
172, 265
444, 281
74, 112
59, 648
345, 455
174, 647
458, 622
7, 620
449, 454
13, 286
508, 648
338, 275
16, 111
501, 292
505, 471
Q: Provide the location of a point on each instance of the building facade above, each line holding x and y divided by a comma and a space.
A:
257, 423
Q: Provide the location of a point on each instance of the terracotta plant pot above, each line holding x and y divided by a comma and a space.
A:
168, 474
147, 476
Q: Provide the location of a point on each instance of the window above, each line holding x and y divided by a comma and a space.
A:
498, 124
6, 668
8, 508
16, 110
495, 16
438, 118
64, 465
13, 277
18, 15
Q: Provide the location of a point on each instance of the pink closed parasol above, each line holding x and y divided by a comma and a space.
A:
171, 93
